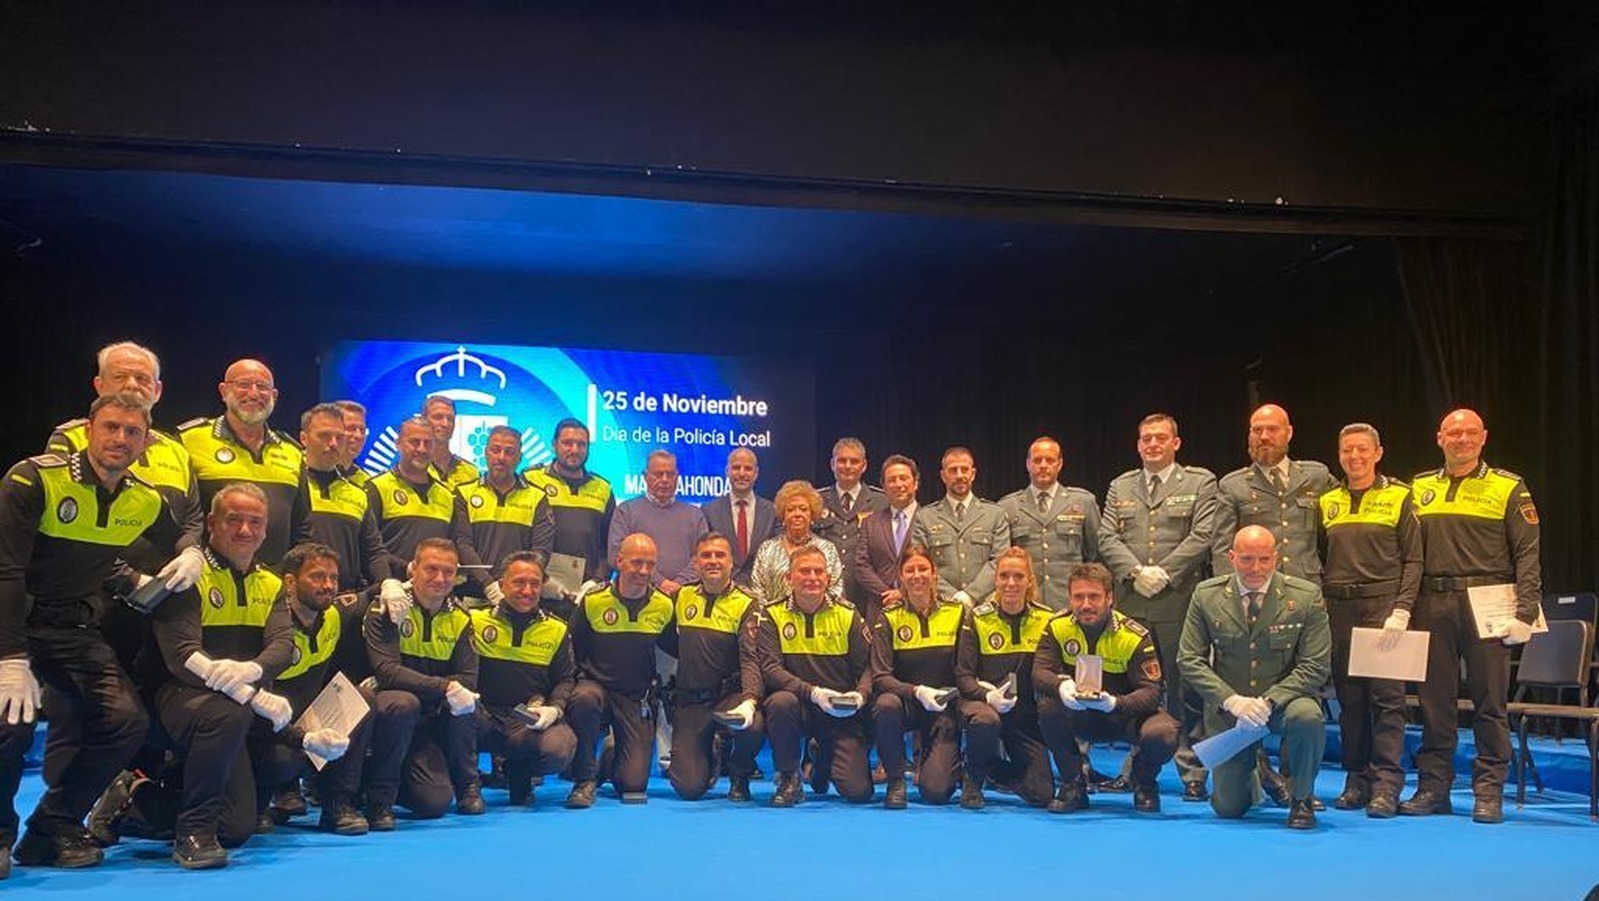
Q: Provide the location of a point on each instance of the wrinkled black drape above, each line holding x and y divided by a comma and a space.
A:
1569, 344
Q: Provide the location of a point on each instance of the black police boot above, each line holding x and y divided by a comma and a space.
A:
1071, 796
1384, 803
288, 803
110, 809
263, 822
496, 776
1356, 793
1489, 807
1426, 802
895, 798
790, 790
198, 852
469, 800
816, 769
1146, 796
1301, 814
1195, 791
68, 852
1274, 785
972, 793
581, 796
738, 788
380, 817
341, 818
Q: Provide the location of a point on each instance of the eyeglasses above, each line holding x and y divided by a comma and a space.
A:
252, 385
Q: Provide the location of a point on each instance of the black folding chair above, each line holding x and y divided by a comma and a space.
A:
1557, 659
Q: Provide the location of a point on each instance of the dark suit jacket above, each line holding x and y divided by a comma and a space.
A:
763, 525
876, 560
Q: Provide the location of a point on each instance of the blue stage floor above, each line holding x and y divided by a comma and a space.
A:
828, 850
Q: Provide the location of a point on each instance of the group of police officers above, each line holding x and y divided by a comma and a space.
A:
175, 605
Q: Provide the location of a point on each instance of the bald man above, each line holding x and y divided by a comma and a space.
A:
1058, 525
239, 446
1479, 527
1275, 492
1256, 648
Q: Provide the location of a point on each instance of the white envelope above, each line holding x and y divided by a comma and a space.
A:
1407, 661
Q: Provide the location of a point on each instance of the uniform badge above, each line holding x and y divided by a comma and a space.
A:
1151, 670
1074, 509
690, 611
224, 455
490, 633
67, 510
477, 500
1529, 513
609, 616
903, 633
789, 632
407, 627
550, 491
399, 497
215, 597
1073, 647
1333, 510
996, 641
294, 655
1427, 495
1289, 605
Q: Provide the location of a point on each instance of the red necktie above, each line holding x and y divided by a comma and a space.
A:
742, 530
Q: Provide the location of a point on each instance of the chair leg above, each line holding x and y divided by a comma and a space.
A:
1593, 770
1521, 763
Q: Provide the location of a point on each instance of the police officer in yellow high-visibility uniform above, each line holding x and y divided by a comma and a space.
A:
1480, 527
508, 515
581, 505
412, 505
341, 515
1373, 571
64, 522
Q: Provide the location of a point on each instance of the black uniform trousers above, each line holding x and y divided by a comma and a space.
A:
1371, 712
394, 717
15, 740
790, 720
207, 731
279, 762
693, 744
591, 708
1447, 616
97, 723
1025, 765
1153, 737
441, 761
527, 751
940, 744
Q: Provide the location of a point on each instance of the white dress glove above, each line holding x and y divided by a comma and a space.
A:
19, 691
995, 697
328, 744
1068, 694
1513, 631
744, 711
1393, 627
396, 602
228, 676
1151, 580
462, 700
545, 717
274, 708
927, 696
1105, 703
182, 571
493, 593
1253, 711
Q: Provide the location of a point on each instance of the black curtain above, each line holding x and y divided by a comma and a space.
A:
1569, 344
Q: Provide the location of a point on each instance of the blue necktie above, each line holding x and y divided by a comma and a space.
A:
899, 531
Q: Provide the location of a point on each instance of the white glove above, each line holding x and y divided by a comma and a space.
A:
850, 710
228, 676
927, 696
370, 683
1150, 580
328, 744
462, 700
823, 698
587, 586
182, 571
746, 712
547, 717
995, 697
274, 708
1105, 703
494, 593
964, 599
1068, 694
395, 600
1253, 711
1513, 631
1393, 627
19, 691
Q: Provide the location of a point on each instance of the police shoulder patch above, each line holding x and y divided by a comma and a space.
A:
1134, 626
983, 609
48, 460
71, 424
1151, 669
193, 423
1529, 513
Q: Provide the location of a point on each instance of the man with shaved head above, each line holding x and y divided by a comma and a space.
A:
1256, 648
239, 446
1479, 527
1058, 525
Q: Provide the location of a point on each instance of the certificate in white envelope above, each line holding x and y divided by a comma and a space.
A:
563, 575
1407, 661
1492, 604
339, 707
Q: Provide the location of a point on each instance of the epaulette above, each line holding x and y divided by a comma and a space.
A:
48, 460
872, 489
1134, 626
1504, 472
1130, 473
598, 587
983, 609
288, 439
71, 424
1040, 605
1196, 470
1214, 580
193, 423
890, 605
846, 603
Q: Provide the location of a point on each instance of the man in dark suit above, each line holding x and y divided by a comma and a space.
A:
884, 535
845, 505
746, 520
